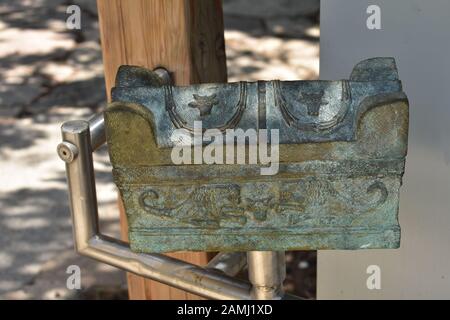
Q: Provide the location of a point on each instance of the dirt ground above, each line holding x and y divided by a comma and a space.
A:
49, 75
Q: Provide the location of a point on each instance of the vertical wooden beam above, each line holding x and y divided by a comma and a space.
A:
186, 38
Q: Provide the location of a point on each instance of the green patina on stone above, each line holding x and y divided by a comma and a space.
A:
342, 153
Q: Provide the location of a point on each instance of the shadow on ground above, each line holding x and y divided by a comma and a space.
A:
49, 75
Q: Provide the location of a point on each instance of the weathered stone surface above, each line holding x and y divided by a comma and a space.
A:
12, 100
88, 5
51, 282
251, 25
298, 27
264, 43
341, 193
269, 57
73, 94
270, 8
35, 231
39, 54
20, 84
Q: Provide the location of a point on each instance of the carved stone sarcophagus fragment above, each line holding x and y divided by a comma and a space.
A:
337, 151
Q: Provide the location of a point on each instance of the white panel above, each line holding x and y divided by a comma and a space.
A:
417, 34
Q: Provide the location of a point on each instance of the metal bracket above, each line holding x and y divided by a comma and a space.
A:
266, 268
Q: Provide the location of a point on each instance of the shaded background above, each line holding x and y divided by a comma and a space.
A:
48, 75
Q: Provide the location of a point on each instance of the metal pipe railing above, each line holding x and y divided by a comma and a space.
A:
76, 151
266, 271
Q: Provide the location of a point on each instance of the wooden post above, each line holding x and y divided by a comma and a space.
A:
186, 38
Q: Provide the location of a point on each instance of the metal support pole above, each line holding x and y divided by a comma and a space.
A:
230, 263
266, 271
97, 131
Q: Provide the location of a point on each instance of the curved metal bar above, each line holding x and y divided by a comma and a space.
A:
97, 131
230, 263
90, 242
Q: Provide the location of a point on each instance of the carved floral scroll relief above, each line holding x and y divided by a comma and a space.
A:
263, 203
